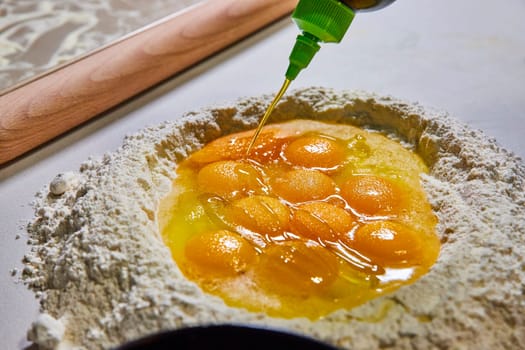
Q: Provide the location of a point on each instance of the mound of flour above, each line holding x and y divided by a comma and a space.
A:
103, 275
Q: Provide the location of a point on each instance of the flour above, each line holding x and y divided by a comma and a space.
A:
47, 331
104, 276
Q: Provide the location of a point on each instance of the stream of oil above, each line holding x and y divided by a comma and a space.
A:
267, 114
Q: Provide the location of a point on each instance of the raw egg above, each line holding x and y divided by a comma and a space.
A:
315, 151
221, 253
371, 194
317, 217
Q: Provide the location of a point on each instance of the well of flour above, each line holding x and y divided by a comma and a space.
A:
317, 217
104, 276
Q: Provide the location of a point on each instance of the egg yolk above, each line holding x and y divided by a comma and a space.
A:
261, 214
321, 220
317, 217
223, 253
388, 243
268, 148
297, 268
229, 179
315, 152
371, 195
301, 185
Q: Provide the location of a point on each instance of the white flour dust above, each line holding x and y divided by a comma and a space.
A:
104, 276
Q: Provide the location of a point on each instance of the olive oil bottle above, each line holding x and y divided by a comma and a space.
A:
367, 5
319, 21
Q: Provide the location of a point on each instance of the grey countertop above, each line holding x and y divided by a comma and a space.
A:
464, 57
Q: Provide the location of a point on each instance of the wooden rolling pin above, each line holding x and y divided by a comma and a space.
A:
49, 106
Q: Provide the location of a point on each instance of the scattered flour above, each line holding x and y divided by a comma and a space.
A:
63, 182
104, 276
47, 331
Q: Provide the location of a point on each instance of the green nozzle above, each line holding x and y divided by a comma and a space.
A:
305, 48
320, 21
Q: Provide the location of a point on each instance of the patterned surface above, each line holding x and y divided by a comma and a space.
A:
37, 35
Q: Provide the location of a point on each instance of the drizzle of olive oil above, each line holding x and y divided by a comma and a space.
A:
267, 114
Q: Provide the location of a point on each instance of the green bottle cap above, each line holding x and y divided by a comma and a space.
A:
320, 21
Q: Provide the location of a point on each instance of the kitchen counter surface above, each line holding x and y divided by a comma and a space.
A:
464, 57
